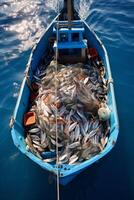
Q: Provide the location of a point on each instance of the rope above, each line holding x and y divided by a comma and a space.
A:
28, 78
57, 155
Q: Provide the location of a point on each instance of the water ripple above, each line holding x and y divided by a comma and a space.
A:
23, 23
117, 16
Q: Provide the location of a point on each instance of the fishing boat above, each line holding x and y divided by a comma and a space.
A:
74, 38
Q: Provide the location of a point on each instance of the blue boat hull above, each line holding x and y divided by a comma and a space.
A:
67, 173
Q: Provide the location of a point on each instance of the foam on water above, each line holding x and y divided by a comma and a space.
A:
83, 7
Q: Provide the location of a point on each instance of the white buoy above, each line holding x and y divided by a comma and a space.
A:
104, 112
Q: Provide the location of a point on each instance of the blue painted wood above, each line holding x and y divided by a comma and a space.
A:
72, 45
68, 33
66, 172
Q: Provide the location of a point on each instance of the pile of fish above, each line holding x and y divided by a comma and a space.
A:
66, 107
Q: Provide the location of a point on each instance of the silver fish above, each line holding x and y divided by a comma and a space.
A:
62, 110
49, 160
38, 147
45, 113
88, 136
86, 126
73, 94
34, 130
56, 144
63, 161
81, 114
90, 125
45, 144
104, 141
77, 132
86, 80
72, 126
37, 78
71, 87
95, 124
35, 137
64, 156
82, 129
92, 133
43, 137
28, 141
47, 109
54, 109
73, 159
43, 122
71, 113
36, 142
72, 136
74, 145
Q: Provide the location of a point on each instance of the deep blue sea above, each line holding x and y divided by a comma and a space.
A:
22, 22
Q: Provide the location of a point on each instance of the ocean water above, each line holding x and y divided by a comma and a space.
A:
21, 24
